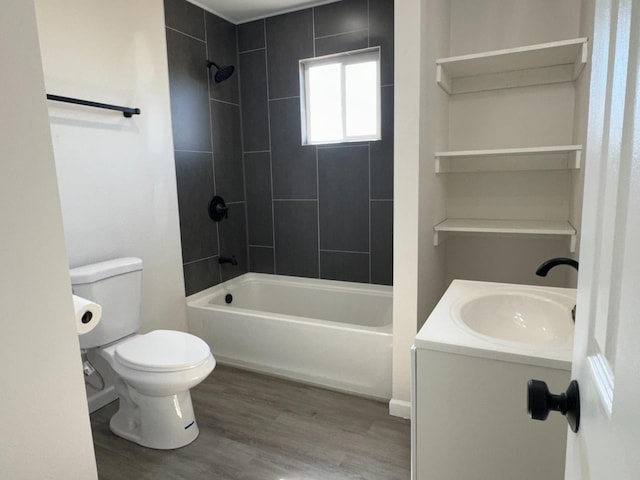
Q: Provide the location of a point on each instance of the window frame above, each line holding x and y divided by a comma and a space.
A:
343, 58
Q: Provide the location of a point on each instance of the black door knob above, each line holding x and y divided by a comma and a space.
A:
540, 402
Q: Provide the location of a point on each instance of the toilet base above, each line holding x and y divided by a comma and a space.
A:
163, 423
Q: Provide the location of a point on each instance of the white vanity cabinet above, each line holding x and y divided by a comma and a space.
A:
469, 417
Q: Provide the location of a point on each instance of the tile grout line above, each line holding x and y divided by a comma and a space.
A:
224, 101
283, 98
369, 202
369, 40
313, 42
344, 251
295, 199
192, 151
342, 33
250, 51
187, 35
369, 206
273, 210
199, 260
213, 156
328, 146
313, 29
318, 211
244, 166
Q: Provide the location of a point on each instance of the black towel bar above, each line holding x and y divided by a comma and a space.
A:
126, 111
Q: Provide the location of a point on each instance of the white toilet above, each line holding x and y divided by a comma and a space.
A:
154, 371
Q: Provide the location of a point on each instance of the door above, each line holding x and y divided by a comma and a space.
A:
606, 359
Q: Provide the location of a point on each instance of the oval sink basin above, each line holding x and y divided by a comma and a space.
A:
519, 317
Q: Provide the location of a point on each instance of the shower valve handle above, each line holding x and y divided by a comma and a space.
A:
540, 402
218, 209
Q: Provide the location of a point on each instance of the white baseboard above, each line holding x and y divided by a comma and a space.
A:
399, 408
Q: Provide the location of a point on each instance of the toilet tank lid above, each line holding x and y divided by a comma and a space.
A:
99, 271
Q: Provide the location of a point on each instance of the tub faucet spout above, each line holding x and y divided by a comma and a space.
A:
554, 262
232, 260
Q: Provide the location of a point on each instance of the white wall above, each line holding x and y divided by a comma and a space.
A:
481, 25
45, 431
406, 155
116, 175
587, 14
434, 120
418, 267
518, 117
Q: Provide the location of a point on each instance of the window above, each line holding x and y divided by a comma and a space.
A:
340, 97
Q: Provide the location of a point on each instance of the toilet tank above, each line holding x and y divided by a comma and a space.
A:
116, 285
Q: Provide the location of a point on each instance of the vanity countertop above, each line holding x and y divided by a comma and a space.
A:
446, 331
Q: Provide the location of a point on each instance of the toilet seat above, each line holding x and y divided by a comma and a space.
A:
163, 351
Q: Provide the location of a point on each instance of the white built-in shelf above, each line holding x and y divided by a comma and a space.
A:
541, 64
517, 227
561, 157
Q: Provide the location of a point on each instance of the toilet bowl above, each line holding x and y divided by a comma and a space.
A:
155, 372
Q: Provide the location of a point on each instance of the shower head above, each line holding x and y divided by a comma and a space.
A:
222, 73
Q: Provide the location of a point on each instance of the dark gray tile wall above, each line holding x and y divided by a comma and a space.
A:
382, 150
289, 38
342, 42
184, 17
189, 92
381, 241
296, 237
341, 17
201, 274
194, 176
350, 267
259, 198
261, 260
343, 178
251, 36
227, 151
381, 33
207, 139
293, 164
255, 108
223, 50
233, 241
323, 212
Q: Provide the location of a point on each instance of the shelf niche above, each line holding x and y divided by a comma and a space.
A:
511, 227
540, 64
564, 157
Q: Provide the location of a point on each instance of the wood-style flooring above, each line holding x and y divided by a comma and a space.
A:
256, 427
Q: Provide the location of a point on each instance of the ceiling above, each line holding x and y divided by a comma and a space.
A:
240, 11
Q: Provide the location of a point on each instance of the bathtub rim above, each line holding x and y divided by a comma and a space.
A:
200, 299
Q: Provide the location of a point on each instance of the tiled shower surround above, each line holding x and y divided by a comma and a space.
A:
313, 211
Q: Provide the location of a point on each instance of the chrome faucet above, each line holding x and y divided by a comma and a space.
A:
554, 262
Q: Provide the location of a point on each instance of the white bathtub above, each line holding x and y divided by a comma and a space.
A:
322, 332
